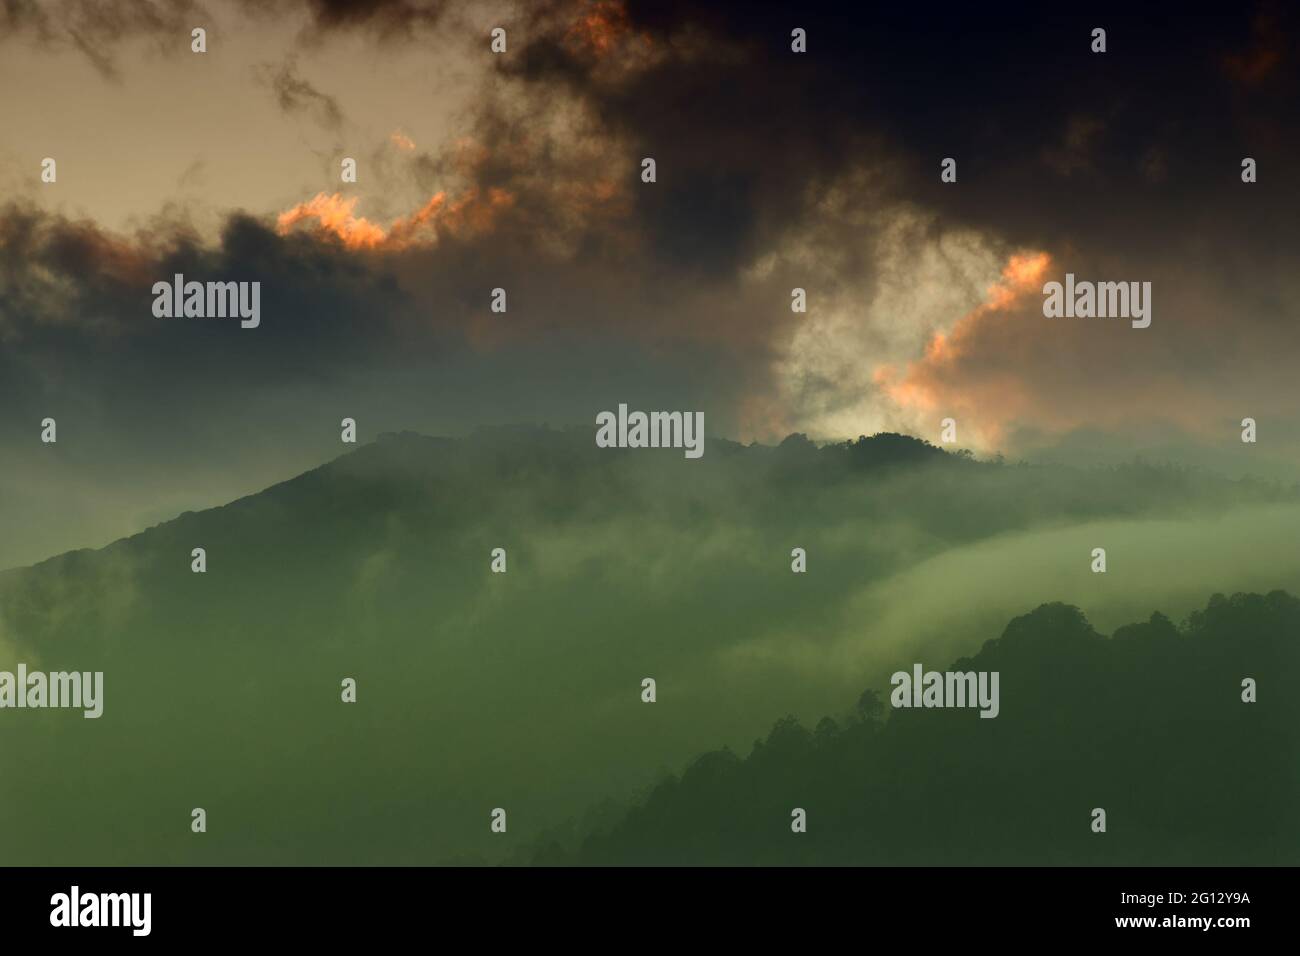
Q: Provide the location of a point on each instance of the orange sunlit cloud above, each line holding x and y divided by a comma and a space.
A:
599, 29
472, 214
602, 34
929, 384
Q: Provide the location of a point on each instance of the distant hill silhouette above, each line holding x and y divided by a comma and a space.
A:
1148, 724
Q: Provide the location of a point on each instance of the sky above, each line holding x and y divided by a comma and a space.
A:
521, 170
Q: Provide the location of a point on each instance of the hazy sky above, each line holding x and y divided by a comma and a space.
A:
520, 170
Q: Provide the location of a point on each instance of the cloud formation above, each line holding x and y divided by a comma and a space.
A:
775, 171
472, 214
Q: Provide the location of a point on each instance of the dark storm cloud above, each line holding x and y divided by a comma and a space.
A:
69, 288
76, 309
1054, 143
1125, 164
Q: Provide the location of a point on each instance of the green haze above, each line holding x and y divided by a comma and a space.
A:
522, 690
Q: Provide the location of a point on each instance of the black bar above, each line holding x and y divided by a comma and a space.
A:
481, 905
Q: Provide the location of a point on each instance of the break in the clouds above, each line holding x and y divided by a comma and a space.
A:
521, 171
